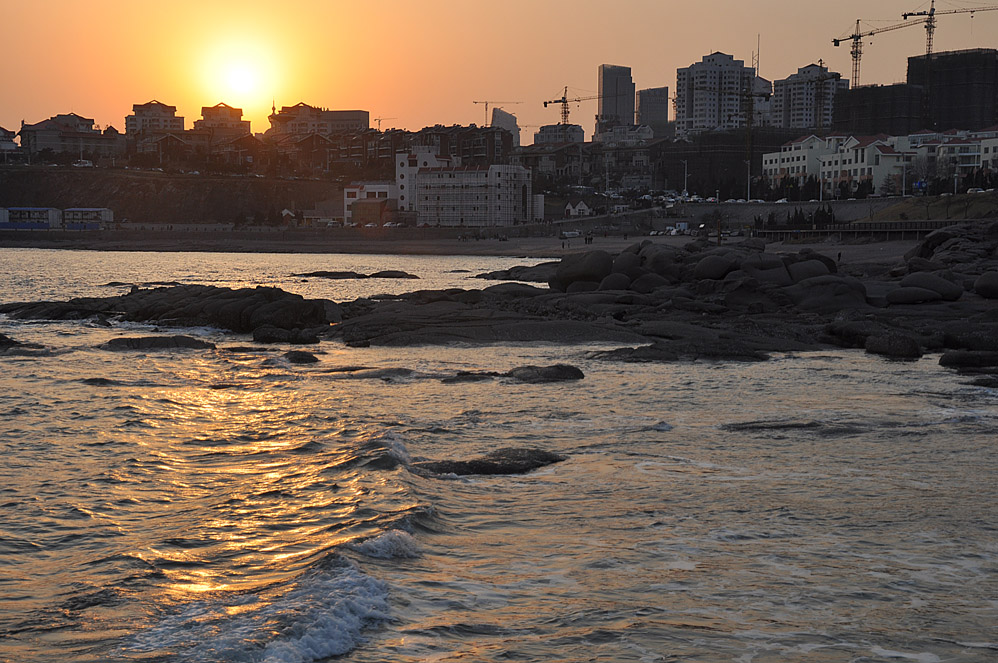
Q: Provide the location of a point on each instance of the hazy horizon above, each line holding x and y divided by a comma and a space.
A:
419, 64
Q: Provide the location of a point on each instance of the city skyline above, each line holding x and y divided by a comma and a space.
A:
414, 66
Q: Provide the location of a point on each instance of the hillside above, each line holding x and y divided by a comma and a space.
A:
156, 197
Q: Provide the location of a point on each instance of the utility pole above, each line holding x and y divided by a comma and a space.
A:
685, 176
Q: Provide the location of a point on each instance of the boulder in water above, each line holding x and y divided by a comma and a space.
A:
502, 461
539, 374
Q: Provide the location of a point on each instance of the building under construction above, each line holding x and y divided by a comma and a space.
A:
950, 90
960, 88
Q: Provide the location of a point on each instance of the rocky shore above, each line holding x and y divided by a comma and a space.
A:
662, 302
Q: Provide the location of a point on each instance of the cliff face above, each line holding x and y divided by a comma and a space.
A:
155, 197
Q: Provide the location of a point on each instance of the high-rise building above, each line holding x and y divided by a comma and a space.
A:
616, 97
805, 100
503, 120
653, 110
713, 95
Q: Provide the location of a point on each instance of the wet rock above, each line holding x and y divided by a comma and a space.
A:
540, 374
157, 343
7, 341
895, 345
502, 461
300, 357
332, 275
470, 376
392, 274
541, 273
969, 359
272, 334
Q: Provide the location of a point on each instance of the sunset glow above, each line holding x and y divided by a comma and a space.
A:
423, 64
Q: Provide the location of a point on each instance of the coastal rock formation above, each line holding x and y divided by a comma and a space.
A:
242, 310
541, 273
157, 343
501, 461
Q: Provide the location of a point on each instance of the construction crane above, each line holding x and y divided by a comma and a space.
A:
565, 101
819, 94
930, 19
379, 119
857, 43
493, 103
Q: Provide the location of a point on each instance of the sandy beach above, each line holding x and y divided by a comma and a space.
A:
886, 252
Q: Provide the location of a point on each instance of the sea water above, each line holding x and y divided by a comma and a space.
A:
226, 505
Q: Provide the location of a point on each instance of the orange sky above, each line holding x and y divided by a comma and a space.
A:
422, 62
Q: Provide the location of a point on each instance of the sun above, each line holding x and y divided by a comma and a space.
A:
240, 79
237, 72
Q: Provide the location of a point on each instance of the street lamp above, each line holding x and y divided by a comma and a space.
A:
748, 180
685, 176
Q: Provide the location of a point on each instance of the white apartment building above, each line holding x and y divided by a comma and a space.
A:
356, 191
559, 133
302, 120
153, 117
474, 196
223, 120
712, 95
805, 100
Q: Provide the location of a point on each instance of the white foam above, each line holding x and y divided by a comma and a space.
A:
924, 657
394, 543
323, 615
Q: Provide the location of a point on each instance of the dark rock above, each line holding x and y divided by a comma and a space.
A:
714, 267
502, 461
300, 357
514, 290
540, 273
470, 376
917, 264
333, 275
969, 359
157, 343
986, 285
615, 281
392, 274
649, 283
896, 345
582, 286
807, 269
828, 294
7, 341
272, 334
947, 289
906, 295
590, 266
539, 374
626, 261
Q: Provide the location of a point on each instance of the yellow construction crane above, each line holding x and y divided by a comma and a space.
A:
565, 101
857, 43
493, 103
930, 19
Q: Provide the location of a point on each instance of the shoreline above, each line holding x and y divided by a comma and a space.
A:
514, 247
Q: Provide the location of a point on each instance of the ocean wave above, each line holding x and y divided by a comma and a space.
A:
393, 544
323, 614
